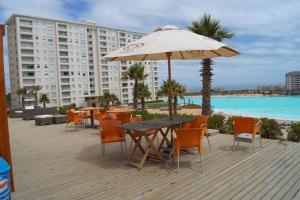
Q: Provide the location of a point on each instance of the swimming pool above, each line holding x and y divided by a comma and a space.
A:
279, 107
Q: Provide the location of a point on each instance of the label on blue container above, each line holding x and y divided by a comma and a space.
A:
4, 186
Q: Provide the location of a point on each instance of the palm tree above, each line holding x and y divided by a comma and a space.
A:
44, 99
136, 72
178, 91
34, 90
114, 100
143, 94
211, 28
108, 98
21, 92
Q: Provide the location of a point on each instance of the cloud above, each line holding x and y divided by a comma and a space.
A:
266, 32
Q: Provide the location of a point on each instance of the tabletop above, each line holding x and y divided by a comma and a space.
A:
149, 125
90, 108
119, 110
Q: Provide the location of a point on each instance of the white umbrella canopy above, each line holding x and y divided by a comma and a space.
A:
170, 39
170, 42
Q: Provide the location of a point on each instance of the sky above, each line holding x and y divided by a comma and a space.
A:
266, 32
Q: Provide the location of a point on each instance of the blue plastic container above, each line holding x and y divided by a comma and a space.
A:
4, 180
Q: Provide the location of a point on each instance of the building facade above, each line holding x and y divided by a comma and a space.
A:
293, 81
66, 59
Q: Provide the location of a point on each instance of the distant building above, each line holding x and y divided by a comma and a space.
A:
293, 81
66, 59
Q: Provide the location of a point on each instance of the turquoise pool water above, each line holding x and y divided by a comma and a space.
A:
280, 107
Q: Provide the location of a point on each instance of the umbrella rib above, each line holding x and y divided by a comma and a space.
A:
216, 53
145, 57
230, 49
181, 55
114, 59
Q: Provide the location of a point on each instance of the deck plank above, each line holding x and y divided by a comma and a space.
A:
52, 162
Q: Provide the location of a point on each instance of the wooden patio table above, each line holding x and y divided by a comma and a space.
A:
141, 128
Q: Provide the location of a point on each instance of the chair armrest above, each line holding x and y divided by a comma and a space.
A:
256, 128
174, 135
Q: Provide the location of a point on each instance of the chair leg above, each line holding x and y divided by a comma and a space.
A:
178, 165
125, 147
233, 144
121, 146
260, 142
208, 142
253, 145
103, 149
238, 144
130, 145
201, 163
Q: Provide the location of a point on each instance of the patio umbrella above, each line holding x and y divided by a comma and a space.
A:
170, 42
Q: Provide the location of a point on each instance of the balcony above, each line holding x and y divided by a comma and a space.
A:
63, 47
64, 67
27, 59
28, 82
65, 87
62, 33
25, 37
66, 94
62, 40
26, 30
28, 74
27, 52
65, 81
64, 60
62, 26
26, 67
63, 74
63, 53
26, 44
25, 22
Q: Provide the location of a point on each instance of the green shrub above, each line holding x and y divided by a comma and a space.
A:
63, 109
270, 129
147, 116
294, 133
229, 126
216, 122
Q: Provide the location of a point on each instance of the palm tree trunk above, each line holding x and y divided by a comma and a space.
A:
44, 104
143, 103
206, 86
23, 101
175, 105
35, 100
135, 94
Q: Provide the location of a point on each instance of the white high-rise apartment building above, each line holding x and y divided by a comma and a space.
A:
66, 59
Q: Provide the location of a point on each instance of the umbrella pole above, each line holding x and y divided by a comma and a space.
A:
170, 86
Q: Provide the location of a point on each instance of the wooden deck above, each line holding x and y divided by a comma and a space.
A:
53, 163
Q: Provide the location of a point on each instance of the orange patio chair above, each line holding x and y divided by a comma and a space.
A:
124, 117
74, 118
200, 122
110, 133
246, 130
188, 138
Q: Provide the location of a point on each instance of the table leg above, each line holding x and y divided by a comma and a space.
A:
92, 118
137, 144
164, 139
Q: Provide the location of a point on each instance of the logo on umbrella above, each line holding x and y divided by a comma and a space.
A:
133, 46
195, 52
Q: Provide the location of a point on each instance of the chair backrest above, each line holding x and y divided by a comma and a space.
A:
242, 125
199, 120
88, 113
109, 129
70, 117
72, 110
188, 138
124, 117
97, 116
